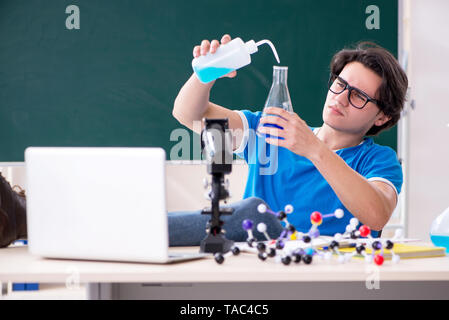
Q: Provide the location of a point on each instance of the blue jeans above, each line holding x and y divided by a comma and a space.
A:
188, 228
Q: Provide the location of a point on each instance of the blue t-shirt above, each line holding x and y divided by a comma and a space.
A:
281, 177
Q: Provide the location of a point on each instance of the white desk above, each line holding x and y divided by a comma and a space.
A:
239, 277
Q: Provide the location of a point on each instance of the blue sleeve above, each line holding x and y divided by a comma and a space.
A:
382, 163
252, 120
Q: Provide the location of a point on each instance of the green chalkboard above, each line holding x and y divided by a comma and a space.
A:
113, 81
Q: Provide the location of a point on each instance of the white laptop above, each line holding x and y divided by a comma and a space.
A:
98, 204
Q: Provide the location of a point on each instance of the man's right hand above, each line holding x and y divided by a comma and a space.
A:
212, 47
192, 103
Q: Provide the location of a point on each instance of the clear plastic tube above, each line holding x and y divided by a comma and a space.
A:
261, 42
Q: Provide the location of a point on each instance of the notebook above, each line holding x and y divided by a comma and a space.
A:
407, 251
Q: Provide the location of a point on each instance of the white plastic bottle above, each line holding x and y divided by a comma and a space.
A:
228, 57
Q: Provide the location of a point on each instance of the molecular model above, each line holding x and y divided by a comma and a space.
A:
295, 246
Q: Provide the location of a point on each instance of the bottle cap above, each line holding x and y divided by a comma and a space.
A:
251, 46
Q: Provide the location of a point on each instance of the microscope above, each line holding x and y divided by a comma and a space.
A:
216, 145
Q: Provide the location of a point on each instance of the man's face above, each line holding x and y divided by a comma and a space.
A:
340, 115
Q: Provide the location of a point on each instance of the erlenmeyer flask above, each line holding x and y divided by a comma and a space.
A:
278, 97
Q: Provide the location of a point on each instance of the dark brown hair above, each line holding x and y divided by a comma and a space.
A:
393, 89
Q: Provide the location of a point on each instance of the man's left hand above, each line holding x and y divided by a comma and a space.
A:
296, 134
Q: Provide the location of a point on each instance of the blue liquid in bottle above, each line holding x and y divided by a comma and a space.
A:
439, 231
440, 241
211, 73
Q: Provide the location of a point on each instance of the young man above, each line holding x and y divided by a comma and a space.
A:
318, 169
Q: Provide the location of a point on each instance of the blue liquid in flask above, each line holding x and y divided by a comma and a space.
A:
269, 125
440, 241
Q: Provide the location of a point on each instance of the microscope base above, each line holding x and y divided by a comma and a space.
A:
214, 244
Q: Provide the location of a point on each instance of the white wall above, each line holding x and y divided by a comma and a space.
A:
185, 189
428, 124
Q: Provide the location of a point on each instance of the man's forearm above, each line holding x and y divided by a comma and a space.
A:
192, 101
356, 193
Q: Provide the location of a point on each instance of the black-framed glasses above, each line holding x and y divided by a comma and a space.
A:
357, 98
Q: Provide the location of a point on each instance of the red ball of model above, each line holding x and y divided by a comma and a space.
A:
364, 231
378, 259
316, 218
